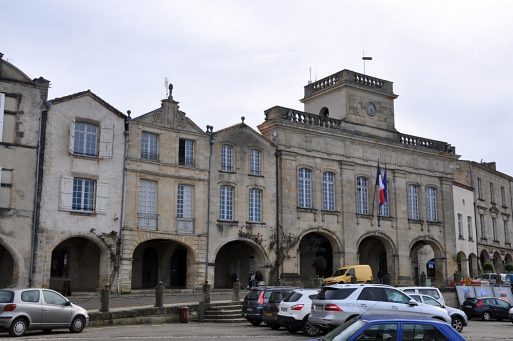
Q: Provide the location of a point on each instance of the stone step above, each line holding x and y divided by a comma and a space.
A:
226, 308
232, 320
222, 315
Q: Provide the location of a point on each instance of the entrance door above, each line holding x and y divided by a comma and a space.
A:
150, 268
178, 268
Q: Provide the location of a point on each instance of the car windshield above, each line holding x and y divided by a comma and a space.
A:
344, 331
292, 297
6, 296
339, 272
253, 295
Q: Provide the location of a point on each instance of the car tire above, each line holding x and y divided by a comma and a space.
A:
78, 324
274, 326
457, 323
311, 329
18, 327
255, 322
486, 316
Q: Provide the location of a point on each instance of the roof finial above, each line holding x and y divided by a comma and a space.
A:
170, 91
242, 119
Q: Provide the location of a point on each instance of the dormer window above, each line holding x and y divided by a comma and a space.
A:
324, 112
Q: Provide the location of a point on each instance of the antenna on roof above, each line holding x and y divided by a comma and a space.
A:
310, 79
364, 59
166, 84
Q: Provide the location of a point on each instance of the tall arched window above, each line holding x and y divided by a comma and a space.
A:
255, 205
305, 188
226, 203
362, 195
413, 202
328, 191
432, 214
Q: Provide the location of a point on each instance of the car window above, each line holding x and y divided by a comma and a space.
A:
345, 330
432, 301
381, 331
335, 293
430, 292
350, 272
30, 296
267, 294
490, 301
424, 332
416, 297
53, 298
253, 295
373, 294
277, 296
409, 291
292, 297
396, 296
503, 304
6, 296
339, 272
312, 297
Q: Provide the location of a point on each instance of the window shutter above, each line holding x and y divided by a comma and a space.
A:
71, 147
102, 197
2, 106
66, 195
106, 140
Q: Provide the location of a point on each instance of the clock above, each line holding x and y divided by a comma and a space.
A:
371, 109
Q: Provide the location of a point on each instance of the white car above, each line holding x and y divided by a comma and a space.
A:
431, 291
294, 310
458, 317
335, 304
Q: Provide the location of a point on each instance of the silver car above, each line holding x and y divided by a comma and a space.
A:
33, 308
458, 317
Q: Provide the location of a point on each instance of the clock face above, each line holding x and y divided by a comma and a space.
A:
371, 109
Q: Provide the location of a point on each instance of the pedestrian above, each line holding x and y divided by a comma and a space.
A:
423, 279
251, 279
259, 278
386, 279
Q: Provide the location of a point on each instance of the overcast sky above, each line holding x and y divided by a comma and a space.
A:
451, 61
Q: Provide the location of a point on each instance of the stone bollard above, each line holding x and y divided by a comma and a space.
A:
206, 292
159, 295
105, 299
236, 291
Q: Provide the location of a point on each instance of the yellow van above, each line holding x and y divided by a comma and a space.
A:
363, 274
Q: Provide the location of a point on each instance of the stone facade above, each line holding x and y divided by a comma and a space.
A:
22, 106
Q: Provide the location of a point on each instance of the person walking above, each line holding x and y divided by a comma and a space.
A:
423, 279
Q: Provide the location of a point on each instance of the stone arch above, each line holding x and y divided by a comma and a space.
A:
378, 251
426, 255
498, 263
325, 112
462, 264
508, 259
484, 258
473, 265
166, 260
235, 260
9, 266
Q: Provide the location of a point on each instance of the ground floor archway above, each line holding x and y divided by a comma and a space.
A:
498, 263
484, 258
235, 260
473, 265
6, 268
378, 254
76, 260
315, 258
427, 261
163, 260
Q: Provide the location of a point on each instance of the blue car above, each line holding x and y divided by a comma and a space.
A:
393, 328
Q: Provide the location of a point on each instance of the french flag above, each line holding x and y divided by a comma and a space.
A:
381, 184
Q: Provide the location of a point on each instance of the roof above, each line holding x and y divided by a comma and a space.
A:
90, 94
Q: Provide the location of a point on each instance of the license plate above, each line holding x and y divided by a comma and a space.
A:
269, 314
318, 307
468, 306
283, 309
249, 309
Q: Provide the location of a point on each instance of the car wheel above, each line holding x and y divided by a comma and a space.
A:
18, 327
457, 323
311, 329
274, 326
486, 316
255, 322
78, 324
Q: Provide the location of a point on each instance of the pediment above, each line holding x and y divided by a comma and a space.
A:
494, 209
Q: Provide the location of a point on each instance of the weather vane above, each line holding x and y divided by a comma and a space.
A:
364, 59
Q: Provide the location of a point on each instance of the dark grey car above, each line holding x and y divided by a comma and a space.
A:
44, 309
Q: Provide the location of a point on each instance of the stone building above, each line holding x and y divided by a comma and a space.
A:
22, 114
327, 163
242, 206
82, 190
164, 236
493, 210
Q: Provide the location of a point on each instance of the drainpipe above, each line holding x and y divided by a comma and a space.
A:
475, 212
279, 258
211, 142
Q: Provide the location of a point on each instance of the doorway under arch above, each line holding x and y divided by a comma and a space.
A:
484, 258
315, 258
426, 257
6, 268
473, 265
373, 251
498, 264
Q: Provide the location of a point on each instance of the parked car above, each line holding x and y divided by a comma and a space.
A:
391, 328
486, 308
458, 317
270, 311
492, 278
431, 291
294, 310
335, 304
363, 274
255, 300
510, 314
34, 308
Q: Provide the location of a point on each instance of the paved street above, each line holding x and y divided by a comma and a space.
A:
476, 331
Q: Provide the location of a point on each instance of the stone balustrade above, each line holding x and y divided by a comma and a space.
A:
348, 77
426, 143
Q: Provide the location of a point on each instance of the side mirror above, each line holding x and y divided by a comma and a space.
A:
413, 303
68, 303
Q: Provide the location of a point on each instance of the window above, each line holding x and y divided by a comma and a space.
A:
362, 195
30, 296
421, 331
5, 188
186, 152
147, 205
395, 296
492, 193
380, 332
226, 158
483, 227
149, 146
53, 298
255, 205
60, 263
494, 228
328, 191
305, 188
254, 162
373, 294
479, 189
503, 197
413, 202
469, 225
83, 194
184, 209
432, 214
226, 203
506, 231
2, 110
85, 139
460, 226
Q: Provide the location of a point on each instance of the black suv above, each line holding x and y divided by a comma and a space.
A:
255, 301
270, 316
